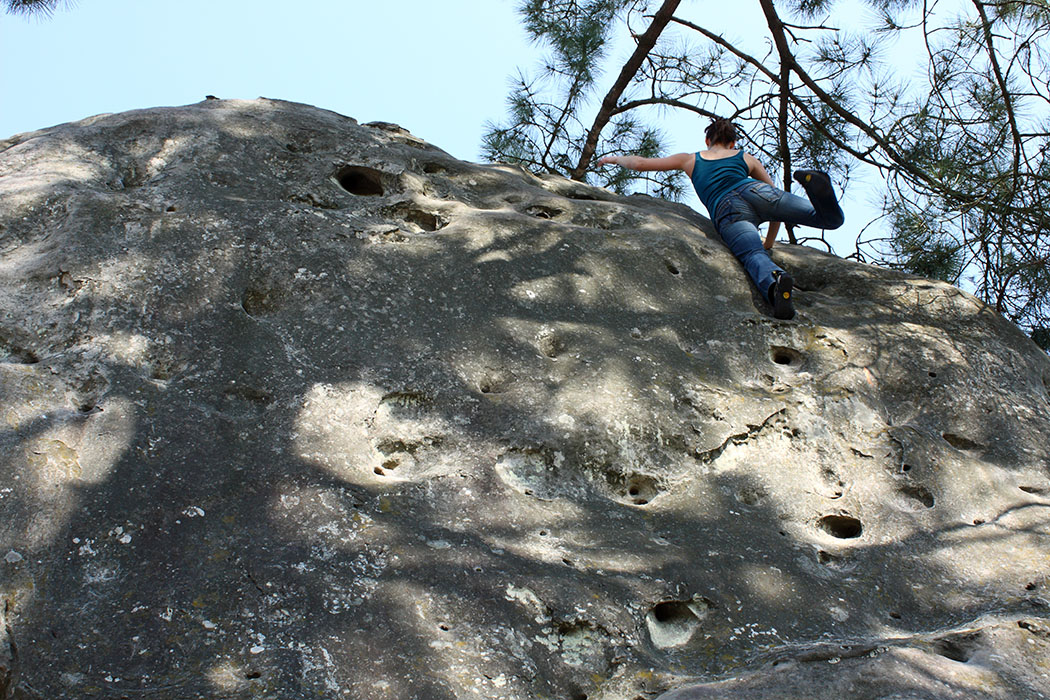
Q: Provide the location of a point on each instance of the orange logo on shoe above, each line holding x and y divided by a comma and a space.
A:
787, 295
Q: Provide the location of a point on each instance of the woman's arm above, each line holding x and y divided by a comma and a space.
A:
679, 161
758, 171
771, 235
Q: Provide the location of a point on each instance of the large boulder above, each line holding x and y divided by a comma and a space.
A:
298, 407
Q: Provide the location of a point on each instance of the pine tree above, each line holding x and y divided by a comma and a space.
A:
963, 152
33, 7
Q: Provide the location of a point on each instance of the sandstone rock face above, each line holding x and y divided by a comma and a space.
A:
297, 407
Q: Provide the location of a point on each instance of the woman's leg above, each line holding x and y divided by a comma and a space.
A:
736, 224
818, 188
772, 204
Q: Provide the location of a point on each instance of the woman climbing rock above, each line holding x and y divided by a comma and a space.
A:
739, 195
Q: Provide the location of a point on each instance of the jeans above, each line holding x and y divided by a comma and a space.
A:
741, 210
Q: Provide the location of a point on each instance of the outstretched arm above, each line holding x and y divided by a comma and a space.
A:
679, 161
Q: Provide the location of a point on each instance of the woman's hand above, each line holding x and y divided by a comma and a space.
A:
771, 235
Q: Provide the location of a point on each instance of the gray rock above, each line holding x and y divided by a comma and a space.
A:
294, 406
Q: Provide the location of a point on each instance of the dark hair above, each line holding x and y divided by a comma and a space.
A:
721, 132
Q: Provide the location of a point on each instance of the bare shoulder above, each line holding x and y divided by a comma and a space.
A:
751, 160
683, 161
755, 168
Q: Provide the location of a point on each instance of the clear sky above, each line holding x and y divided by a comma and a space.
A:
440, 68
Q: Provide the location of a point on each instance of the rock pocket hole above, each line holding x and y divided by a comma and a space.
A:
673, 622
958, 647
392, 446
9, 352
672, 268
844, 527
495, 383
919, 494
541, 211
641, 489
550, 343
787, 357
361, 181
961, 443
407, 399
429, 222
674, 612
1035, 490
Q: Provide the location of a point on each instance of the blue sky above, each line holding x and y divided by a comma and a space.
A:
439, 69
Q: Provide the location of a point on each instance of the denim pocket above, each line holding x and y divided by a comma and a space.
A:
766, 192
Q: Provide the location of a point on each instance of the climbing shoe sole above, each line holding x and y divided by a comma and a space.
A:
783, 308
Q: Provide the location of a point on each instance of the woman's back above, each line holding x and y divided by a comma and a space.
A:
714, 177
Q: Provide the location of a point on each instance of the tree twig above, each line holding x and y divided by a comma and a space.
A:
645, 44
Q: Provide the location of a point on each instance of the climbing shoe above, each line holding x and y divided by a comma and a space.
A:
780, 296
817, 185
822, 195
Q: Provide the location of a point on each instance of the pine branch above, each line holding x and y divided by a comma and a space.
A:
645, 44
986, 28
33, 7
863, 156
665, 101
776, 27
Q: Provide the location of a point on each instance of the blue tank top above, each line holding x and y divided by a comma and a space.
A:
712, 179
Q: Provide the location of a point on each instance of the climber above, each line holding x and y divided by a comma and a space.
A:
739, 195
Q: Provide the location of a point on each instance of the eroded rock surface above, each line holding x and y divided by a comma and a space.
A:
297, 407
